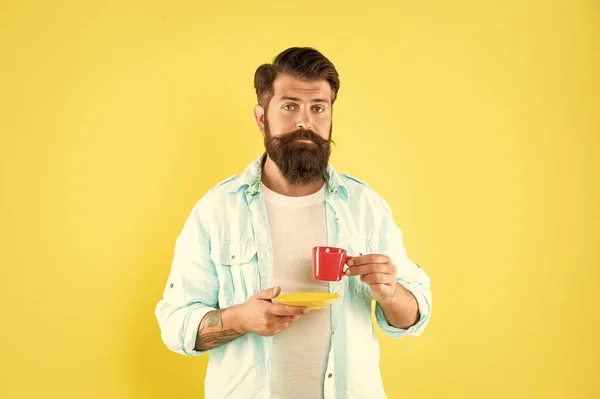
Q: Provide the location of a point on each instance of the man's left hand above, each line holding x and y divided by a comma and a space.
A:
378, 272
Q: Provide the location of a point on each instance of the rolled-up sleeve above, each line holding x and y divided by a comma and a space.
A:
409, 275
191, 290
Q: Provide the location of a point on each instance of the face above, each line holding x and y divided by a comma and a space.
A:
297, 128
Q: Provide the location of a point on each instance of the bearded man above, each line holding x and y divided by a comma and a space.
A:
253, 236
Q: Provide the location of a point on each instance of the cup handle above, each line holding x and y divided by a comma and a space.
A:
345, 267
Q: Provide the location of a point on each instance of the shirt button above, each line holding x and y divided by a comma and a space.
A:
330, 375
232, 256
171, 285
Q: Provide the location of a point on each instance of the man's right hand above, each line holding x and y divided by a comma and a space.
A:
260, 316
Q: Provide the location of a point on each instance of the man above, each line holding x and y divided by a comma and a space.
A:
251, 237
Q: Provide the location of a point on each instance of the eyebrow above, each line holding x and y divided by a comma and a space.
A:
314, 100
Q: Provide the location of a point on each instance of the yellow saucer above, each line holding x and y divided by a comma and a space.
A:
312, 300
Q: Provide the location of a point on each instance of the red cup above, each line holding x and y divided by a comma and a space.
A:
328, 263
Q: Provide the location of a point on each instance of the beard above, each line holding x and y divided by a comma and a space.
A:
299, 163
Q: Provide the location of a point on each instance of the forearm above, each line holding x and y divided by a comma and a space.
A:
402, 310
217, 328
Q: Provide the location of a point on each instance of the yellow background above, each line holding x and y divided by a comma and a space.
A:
478, 121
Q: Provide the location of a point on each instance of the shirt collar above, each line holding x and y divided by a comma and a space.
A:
251, 178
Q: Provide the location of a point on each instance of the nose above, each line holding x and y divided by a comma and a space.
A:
304, 121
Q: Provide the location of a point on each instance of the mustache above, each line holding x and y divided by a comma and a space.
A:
301, 134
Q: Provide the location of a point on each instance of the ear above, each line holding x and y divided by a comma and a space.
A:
259, 115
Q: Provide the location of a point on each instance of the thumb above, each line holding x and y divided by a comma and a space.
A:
269, 293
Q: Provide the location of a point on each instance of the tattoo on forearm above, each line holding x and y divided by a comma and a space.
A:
207, 340
213, 340
214, 318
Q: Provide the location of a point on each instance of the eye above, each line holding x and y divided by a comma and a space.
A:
289, 107
319, 109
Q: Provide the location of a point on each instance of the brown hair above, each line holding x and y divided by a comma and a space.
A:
303, 63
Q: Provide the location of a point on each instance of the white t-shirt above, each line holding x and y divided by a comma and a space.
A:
297, 224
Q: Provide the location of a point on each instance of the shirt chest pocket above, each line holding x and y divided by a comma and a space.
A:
237, 268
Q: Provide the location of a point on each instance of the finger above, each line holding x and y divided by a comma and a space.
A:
365, 259
376, 278
285, 319
283, 310
284, 323
284, 326
291, 318
367, 269
269, 293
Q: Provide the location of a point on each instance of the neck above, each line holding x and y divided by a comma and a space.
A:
274, 180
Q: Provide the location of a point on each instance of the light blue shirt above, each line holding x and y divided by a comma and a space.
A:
223, 256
